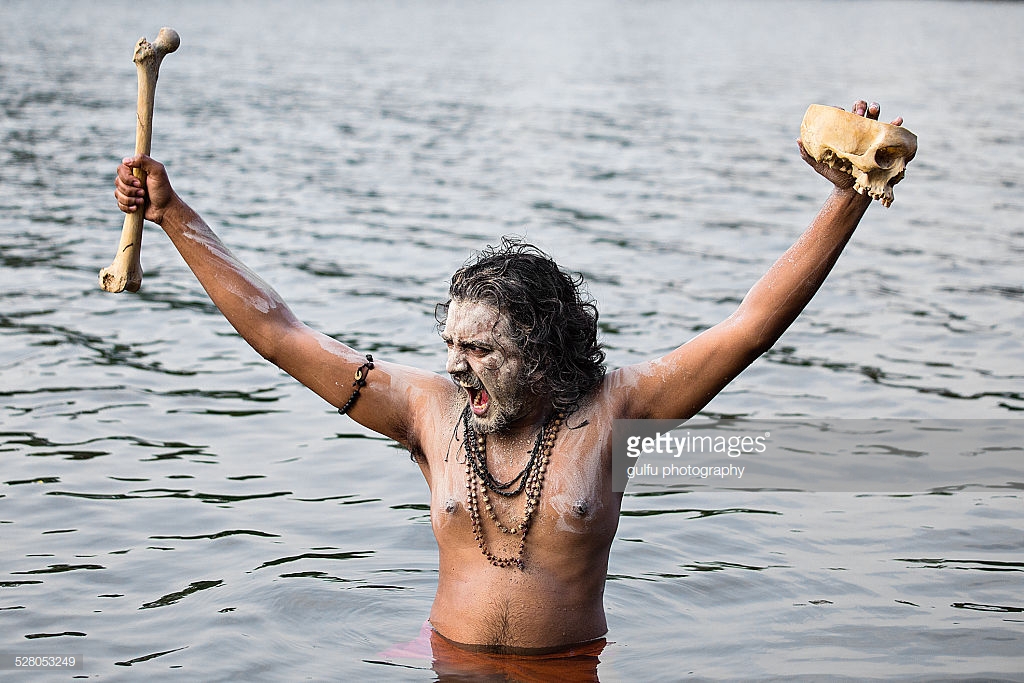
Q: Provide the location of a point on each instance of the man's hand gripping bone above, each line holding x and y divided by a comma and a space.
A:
855, 150
126, 270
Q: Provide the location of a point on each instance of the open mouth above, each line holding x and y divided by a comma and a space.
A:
478, 400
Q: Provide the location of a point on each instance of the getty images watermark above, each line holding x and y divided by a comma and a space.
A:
676, 445
819, 455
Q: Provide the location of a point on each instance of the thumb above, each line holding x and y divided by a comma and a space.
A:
144, 163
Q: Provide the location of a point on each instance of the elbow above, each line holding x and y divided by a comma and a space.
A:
269, 348
271, 341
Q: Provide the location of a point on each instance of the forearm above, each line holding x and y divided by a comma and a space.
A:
776, 300
252, 307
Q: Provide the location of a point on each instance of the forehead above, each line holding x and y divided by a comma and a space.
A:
474, 320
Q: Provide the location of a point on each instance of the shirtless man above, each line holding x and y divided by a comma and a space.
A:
518, 401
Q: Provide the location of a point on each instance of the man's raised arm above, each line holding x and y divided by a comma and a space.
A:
682, 382
263, 319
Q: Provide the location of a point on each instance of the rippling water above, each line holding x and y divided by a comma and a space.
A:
171, 503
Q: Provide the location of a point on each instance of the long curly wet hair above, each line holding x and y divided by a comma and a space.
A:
552, 318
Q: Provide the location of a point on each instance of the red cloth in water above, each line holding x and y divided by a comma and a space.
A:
573, 664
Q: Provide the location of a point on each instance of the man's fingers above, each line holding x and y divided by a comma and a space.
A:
127, 180
128, 190
805, 155
127, 201
126, 204
803, 150
148, 164
150, 194
127, 184
871, 111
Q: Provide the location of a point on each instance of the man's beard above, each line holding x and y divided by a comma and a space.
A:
500, 412
491, 424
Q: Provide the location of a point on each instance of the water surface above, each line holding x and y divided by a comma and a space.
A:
172, 504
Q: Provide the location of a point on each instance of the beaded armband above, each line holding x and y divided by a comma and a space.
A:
361, 374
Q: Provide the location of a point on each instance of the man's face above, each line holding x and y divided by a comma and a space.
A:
483, 360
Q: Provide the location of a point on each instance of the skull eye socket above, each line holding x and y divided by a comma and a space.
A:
886, 157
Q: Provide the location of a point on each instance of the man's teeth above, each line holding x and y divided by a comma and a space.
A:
479, 399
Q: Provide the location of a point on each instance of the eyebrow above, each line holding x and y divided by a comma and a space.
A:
447, 338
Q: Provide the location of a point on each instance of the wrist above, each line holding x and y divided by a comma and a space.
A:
174, 213
848, 195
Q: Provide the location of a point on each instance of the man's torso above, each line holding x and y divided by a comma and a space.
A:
557, 598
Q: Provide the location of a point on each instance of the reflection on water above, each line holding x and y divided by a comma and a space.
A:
169, 501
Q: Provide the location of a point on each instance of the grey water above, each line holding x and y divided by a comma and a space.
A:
173, 506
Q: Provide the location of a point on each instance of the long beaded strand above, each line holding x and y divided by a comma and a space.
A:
531, 480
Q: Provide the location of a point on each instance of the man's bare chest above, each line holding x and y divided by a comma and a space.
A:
575, 507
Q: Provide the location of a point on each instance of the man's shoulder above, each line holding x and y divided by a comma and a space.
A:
626, 392
611, 395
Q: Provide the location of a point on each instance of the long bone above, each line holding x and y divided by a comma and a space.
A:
126, 270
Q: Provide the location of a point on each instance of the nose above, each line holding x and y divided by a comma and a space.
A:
456, 361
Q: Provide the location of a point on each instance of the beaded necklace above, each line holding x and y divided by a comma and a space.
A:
530, 479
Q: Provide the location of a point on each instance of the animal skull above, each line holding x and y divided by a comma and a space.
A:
875, 154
